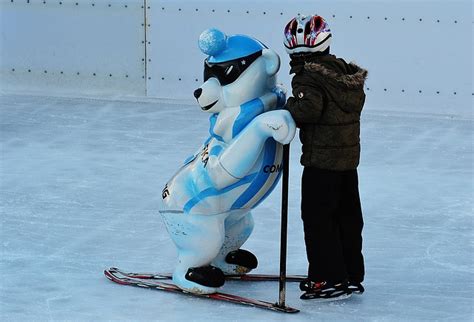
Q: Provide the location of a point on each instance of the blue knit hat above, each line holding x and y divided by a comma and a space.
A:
222, 48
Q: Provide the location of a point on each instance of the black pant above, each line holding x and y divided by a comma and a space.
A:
332, 220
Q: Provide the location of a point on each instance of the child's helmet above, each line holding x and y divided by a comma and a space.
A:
307, 34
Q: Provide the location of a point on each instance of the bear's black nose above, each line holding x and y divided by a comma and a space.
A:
198, 93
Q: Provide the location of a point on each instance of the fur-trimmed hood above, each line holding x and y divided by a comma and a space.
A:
355, 79
341, 82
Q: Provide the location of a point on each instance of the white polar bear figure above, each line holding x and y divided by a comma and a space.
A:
206, 205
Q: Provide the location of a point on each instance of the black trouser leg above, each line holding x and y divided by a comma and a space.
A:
321, 193
350, 225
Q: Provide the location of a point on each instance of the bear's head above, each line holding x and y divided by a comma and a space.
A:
238, 69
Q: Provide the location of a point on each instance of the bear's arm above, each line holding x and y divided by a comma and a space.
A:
238, 158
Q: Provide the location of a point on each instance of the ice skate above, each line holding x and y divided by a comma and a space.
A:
324, 290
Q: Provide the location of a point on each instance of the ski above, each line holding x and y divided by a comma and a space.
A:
245, 277
116, 276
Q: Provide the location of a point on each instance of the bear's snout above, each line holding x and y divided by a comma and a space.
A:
197, 93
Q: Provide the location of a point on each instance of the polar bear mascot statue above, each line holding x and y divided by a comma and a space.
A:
206, 205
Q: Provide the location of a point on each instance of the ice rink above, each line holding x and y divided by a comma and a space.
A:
80, 186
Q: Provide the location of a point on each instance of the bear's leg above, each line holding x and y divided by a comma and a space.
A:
198, 239
232, 259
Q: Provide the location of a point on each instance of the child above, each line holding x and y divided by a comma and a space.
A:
328, 97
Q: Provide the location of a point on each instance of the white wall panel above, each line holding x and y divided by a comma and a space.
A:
418, 53
76, 47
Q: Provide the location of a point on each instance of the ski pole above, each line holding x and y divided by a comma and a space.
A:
284, 224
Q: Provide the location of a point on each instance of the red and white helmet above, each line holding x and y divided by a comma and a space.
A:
307, 34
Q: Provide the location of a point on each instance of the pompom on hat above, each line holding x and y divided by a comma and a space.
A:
222, 48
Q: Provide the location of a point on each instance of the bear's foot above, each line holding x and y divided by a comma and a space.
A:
209, 276
199, 280
244, 260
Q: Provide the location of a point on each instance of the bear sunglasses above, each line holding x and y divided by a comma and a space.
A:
227, 72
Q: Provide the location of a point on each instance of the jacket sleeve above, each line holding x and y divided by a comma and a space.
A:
306, 105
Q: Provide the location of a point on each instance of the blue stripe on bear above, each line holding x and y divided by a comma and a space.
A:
262, 177
215, 150
212, 192
269, 191
248, 111
212, 121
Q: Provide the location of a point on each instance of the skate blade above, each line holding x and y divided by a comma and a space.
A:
329, 299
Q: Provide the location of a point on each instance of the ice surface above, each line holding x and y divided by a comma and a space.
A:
81, 180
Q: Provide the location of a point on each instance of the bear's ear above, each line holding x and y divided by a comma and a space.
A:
272, 61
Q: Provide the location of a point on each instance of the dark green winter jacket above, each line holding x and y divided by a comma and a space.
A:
328, 96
